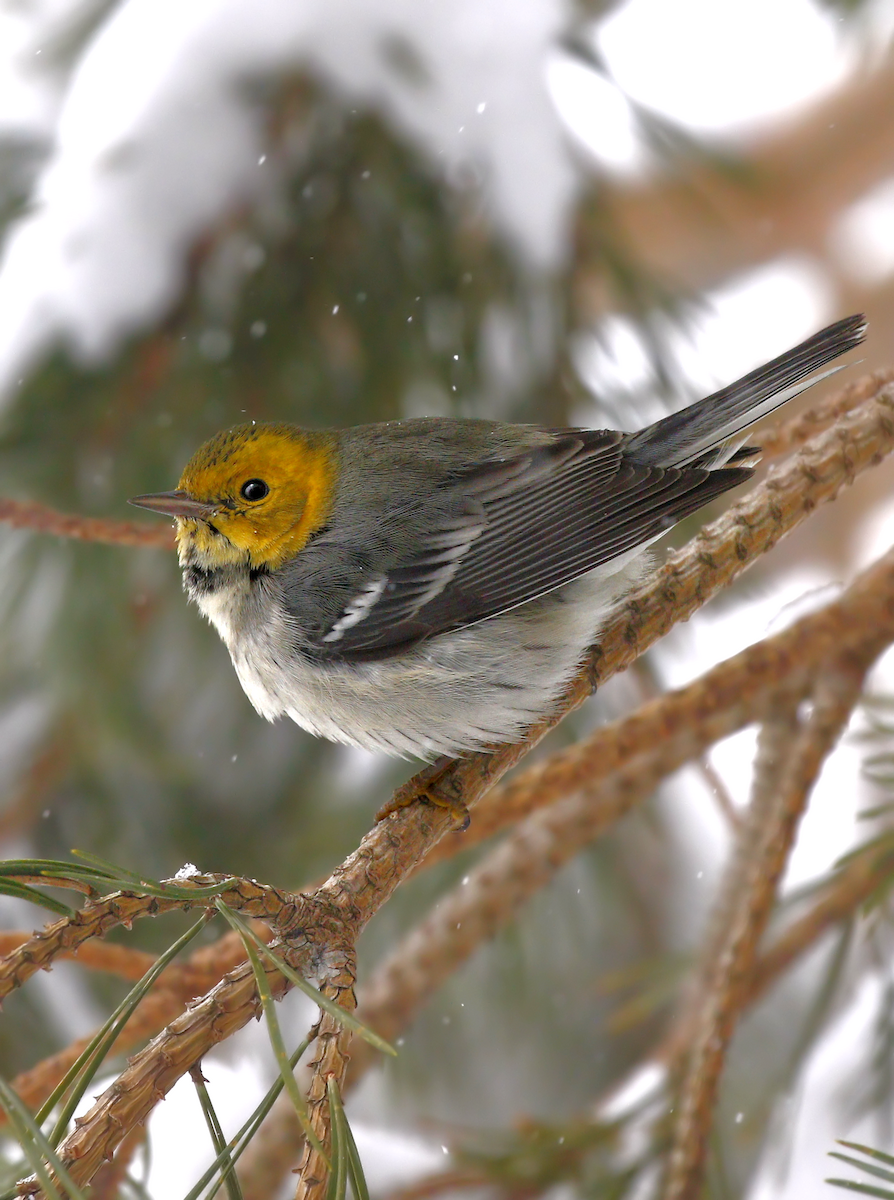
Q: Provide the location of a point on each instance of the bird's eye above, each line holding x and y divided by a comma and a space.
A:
254, 489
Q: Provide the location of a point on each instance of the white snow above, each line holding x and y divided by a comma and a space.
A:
152, 138
157, 138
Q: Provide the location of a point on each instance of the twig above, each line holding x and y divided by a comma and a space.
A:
98, 956
749, 894
175, 987
851, 887
39, 518
740, 681
200, 971
96, 918
788, 433
153, 1071
389, 852
711, 561
110, 1176
776, 737
330, 1061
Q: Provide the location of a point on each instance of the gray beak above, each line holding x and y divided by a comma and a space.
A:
176, 504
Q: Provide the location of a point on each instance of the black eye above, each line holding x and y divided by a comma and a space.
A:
254, 489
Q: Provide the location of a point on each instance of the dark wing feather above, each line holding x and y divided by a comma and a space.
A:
521, 528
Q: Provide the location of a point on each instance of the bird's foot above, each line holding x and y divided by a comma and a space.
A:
424, 786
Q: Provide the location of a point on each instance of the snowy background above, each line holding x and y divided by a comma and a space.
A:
132, 133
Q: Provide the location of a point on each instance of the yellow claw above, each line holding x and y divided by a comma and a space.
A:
423, 786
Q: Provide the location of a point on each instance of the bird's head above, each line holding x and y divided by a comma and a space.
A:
250, 496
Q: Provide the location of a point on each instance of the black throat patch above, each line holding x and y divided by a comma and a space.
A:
199, 582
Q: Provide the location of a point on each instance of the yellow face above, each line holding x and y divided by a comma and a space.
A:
252, 495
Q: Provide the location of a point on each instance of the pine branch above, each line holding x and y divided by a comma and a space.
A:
110, 1177
782, 787
711, 561
39, 518
391, 997
840, 899
330, 1061
702, 225
332, 916
98, 956
174, 988
97, 917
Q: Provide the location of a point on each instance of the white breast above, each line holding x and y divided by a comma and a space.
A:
457, 692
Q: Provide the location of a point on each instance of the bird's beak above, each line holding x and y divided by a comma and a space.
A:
176, 504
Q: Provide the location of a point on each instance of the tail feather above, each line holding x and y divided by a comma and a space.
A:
708, 425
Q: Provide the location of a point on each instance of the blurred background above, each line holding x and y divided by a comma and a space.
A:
343, 211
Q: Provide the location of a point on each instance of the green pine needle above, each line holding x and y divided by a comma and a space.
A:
242, 1139
82, 1071
329, 1006
231, 1182
37, 1149
346, 1142
273, 1030
869, 1168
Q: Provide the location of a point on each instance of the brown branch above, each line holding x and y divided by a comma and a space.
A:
788, 433
749, 893
701, 225
777, 734
97, 917
98, 956
111, 1175
39, 518
176, 986
691, 577
866, 871
199, 972
840, 897
341, 907
711, 561
29, 797
330, 1061
740, 682
851, 887
151, 1073
387, 1005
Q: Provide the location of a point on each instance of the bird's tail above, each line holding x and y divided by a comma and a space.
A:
688, 437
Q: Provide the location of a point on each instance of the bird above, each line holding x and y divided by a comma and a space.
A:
427, 587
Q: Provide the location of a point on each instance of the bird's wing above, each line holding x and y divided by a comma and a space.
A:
517, 529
